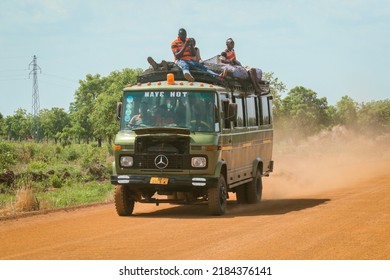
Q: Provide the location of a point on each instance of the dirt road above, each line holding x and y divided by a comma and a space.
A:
337, 208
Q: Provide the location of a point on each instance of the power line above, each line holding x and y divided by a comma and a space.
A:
60, 77
56, 84
12, 79
8, 70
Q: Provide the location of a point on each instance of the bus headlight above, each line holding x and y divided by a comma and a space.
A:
198, 162
126, 161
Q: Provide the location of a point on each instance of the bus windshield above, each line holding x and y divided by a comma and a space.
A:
196, 111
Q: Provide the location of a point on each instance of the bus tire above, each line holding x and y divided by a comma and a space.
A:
218, 198
124, 201
254, 189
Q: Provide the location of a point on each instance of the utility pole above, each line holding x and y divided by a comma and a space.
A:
35, 128
35, 94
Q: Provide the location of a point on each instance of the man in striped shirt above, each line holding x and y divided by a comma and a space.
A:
183, 49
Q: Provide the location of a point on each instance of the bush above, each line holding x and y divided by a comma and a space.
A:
93, 156
27, 152
55, 175
8, 155
37, 166
26, 200
71, 154
56, 182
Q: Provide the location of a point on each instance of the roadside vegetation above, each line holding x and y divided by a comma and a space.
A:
39, 176
61, 159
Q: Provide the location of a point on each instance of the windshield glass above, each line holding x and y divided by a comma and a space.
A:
196, 111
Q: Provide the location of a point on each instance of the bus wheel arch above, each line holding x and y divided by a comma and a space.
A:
257, 166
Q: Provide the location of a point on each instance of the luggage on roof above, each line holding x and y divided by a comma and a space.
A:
151, 75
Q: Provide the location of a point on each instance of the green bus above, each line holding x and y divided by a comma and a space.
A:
186, 142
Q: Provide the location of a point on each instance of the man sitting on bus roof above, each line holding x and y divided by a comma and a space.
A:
183, 49
234, 67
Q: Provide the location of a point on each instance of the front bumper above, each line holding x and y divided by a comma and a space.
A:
174, 183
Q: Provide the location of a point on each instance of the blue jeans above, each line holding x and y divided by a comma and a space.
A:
187, 65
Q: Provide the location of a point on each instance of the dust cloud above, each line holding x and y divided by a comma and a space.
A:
330, 160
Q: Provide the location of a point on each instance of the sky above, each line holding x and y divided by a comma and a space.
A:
333, 47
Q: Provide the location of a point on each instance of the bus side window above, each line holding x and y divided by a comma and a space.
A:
270, 109
240, 113
251, 111
225, 108
264, 109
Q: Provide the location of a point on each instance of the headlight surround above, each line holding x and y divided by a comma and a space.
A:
126, 161
199, 162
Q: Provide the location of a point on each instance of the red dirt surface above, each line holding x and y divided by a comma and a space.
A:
327, 199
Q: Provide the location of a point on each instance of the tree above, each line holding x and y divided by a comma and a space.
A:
117, 80
92, 112
18, 126
81, 108
2, 126
277, 88
53, 122
302, 113
346, 112
374, 117
103, 118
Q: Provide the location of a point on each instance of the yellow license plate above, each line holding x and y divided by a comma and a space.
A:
159, 181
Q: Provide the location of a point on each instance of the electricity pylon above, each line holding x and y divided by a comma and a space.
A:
35, 127
35, 93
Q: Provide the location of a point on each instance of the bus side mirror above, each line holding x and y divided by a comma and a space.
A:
232, 112
118, 110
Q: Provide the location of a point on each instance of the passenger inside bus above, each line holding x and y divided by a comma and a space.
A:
144, 117
163, 116
202, 113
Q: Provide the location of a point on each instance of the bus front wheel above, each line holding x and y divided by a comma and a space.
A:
124, 200
217, 197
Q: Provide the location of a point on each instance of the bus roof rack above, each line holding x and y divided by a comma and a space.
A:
151, 75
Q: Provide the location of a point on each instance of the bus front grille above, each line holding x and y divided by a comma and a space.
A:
170, 161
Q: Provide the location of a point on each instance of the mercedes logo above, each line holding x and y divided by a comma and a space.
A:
161, 161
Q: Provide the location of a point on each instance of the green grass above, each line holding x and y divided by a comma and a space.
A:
59, 176
92, 192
